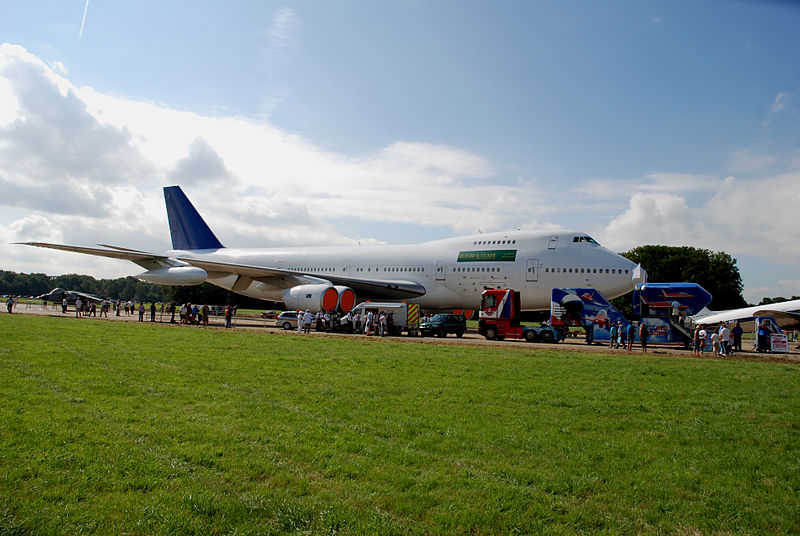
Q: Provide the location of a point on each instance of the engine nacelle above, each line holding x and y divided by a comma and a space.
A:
347, 297
312, 297
174, 275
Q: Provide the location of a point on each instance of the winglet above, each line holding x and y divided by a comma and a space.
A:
186, 226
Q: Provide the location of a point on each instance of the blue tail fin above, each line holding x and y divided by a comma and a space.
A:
186, 226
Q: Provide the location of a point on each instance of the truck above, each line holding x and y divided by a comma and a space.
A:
499, 319
405, 316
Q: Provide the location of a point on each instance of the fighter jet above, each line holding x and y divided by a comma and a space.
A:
57, 296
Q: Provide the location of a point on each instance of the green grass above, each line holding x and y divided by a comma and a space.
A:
111, 428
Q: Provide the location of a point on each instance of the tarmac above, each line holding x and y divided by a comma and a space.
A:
470, 338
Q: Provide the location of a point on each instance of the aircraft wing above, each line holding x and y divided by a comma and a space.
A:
142, 258
785, 319
394, 289
85, 296
787, 314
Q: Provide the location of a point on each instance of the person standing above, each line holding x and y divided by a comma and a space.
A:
703, 336
737, 332
64, 305
10, 304
228, 316
632, 335
724, 339
370, 323
78, 307
141, 311
612, 332
205, 315
764, 334
299, 321
715, 343
644, 333
152, 311
696, 342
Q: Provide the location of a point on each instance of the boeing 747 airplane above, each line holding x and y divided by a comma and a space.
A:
438, 275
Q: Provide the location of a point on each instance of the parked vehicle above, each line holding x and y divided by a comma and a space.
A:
405, 316
443, 323
287, 320
499, 319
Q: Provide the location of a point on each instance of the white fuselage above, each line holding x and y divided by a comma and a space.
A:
454, 271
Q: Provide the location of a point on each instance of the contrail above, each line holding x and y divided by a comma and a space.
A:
83, 21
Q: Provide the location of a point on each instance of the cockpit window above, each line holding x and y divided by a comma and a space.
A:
584, 238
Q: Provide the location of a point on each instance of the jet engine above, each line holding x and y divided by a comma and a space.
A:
347, 297
312, 297
174, 275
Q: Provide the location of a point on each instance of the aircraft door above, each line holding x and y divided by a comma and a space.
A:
532, 270
552, 242
440, 271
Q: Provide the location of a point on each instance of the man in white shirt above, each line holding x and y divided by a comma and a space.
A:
724, 338
703, 336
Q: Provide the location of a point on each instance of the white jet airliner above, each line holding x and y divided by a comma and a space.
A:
439, 275
787, 314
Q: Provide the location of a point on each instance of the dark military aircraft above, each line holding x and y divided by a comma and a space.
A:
57, 296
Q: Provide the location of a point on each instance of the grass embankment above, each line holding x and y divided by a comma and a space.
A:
136, 428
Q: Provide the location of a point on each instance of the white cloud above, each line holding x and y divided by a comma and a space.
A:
785, 102
745, 161
93, 166
282, 33
654, 218
59, 68
739, 217
779, 104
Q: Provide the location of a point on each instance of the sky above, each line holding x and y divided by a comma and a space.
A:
310, 123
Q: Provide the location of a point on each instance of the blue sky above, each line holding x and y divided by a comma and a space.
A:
638, 122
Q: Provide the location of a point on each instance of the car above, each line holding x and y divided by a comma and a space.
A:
443, 323
287, 320
269, 315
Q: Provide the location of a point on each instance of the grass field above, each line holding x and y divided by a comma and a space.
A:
111, 428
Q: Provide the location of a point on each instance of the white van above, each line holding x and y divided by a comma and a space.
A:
405, 316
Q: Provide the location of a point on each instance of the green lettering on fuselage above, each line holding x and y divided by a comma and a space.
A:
502, 255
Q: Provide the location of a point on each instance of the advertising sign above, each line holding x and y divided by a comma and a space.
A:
780, 343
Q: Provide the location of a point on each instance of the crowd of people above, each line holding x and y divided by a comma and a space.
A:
371, 322
188, 314
623, 335
724, 341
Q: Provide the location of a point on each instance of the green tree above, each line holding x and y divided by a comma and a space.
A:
715, 271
